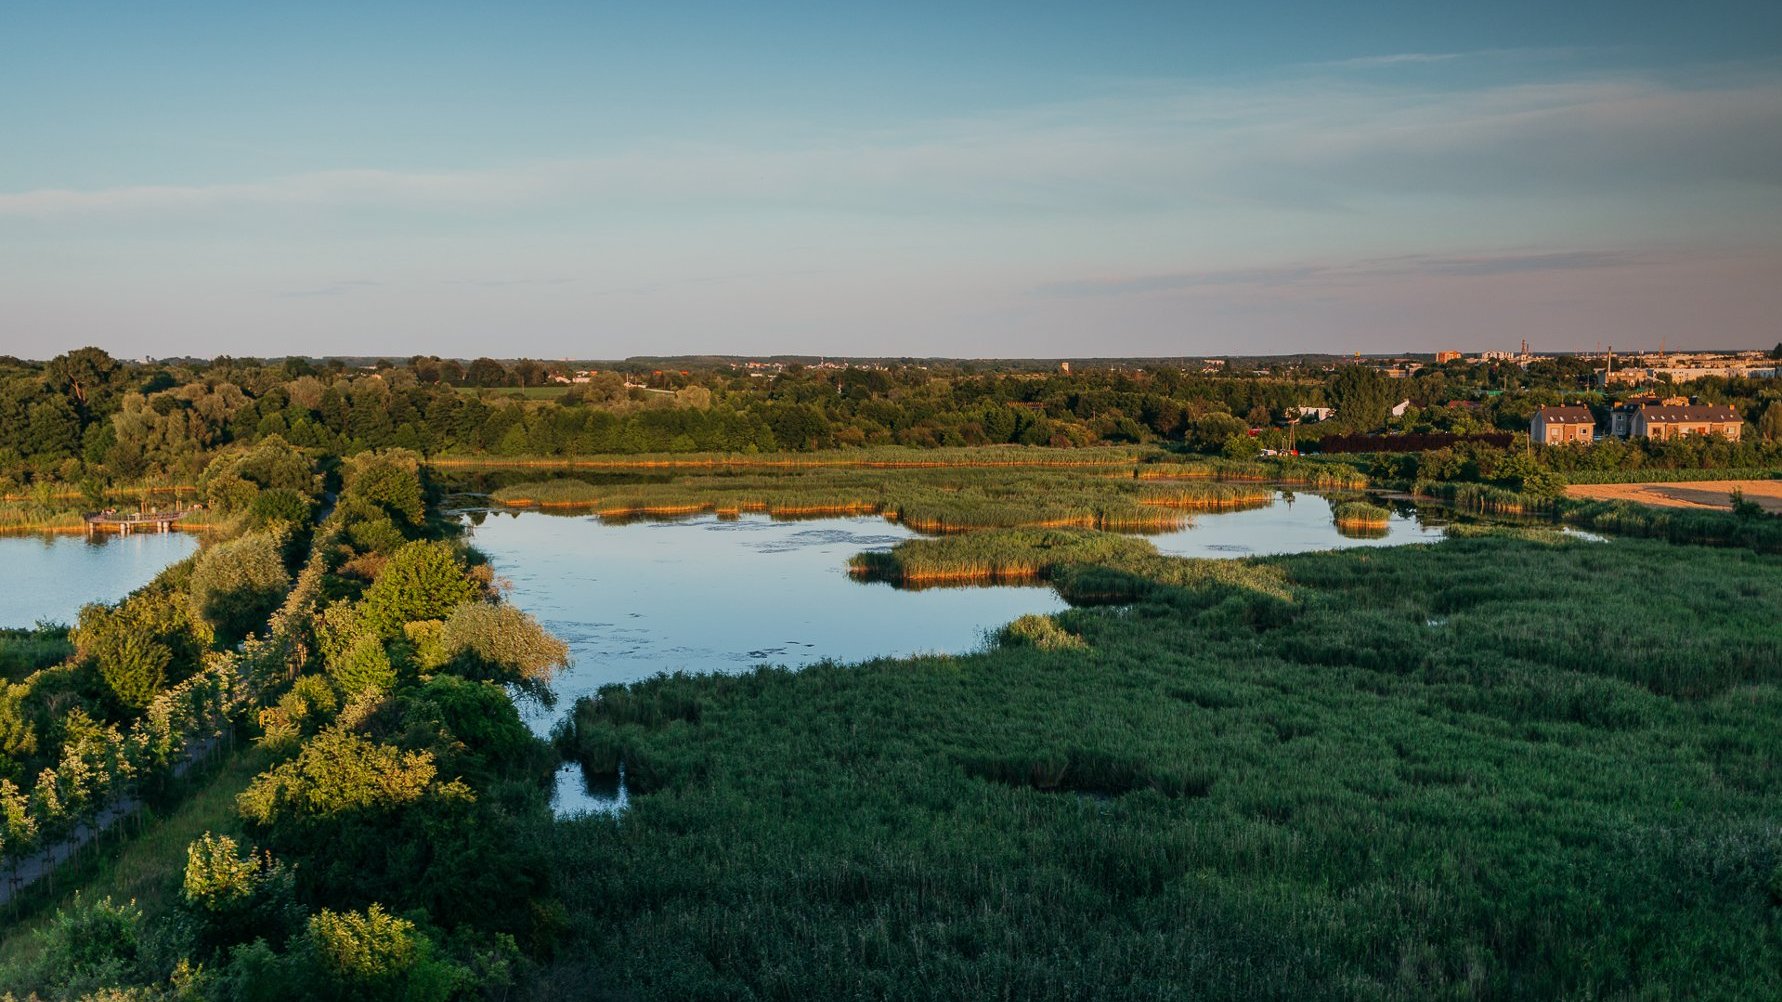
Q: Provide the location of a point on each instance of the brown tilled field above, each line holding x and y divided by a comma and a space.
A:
1696, 494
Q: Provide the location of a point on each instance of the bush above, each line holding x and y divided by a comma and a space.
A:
236, 898
88, 946
237, 584
1042, 633
424, 580
500, 643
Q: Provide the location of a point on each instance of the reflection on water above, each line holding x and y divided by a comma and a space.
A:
1294, 523
50, 577
576, 794
706, 594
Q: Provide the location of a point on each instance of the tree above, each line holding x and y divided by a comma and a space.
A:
339, 773
1362, 397
372, 955
500, 643
81, 373
390, 480
363, 666
280, 506
1769, 426
486, 372
423, 580
237, 584
133, 664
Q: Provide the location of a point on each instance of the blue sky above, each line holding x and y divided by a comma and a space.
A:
1036, 179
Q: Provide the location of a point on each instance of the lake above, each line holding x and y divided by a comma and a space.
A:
709, 594
51, 577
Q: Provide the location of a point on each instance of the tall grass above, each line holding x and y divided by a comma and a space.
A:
1359, 514
1762, 533
1386, 774
885, 457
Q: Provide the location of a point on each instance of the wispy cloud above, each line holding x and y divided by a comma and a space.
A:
1298, 142
1334, 274
1402, 59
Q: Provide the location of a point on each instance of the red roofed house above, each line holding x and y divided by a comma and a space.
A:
1563, 425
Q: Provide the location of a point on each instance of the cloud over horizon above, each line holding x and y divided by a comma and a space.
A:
1338, 177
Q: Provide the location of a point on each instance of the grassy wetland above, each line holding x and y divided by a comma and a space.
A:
927, 499
1509, 765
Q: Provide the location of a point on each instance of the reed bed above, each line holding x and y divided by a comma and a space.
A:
19, 517
1359, 515
928, 501
1485, 498
1208, 497
1287, 472
886, 458
997, 556
1762, 533
1205, 470
1407, 779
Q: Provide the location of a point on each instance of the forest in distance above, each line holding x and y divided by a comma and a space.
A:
1519, 762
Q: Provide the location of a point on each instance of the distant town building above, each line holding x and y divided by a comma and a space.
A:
1308, 413
1447, 356
1621, 417
1563, 426
1669, 420
1399, 409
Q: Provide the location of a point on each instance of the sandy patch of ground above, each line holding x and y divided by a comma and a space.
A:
1694, 494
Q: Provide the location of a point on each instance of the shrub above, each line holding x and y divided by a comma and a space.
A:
424, 580
237, 898
1042, 633
236, 584
500, 643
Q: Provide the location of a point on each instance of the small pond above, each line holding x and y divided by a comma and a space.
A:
1296, 522
51, 577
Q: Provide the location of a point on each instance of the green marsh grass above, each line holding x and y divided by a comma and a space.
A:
1359, 515
1509, 765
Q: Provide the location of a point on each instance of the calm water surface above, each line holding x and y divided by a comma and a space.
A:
706, 594
1295, 523
51, 577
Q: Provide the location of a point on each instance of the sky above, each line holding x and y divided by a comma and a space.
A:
1032, 179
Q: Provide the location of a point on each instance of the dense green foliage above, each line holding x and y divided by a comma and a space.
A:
397, 831
84, 422
1503, 766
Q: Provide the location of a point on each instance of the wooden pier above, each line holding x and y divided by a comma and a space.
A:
125, 523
